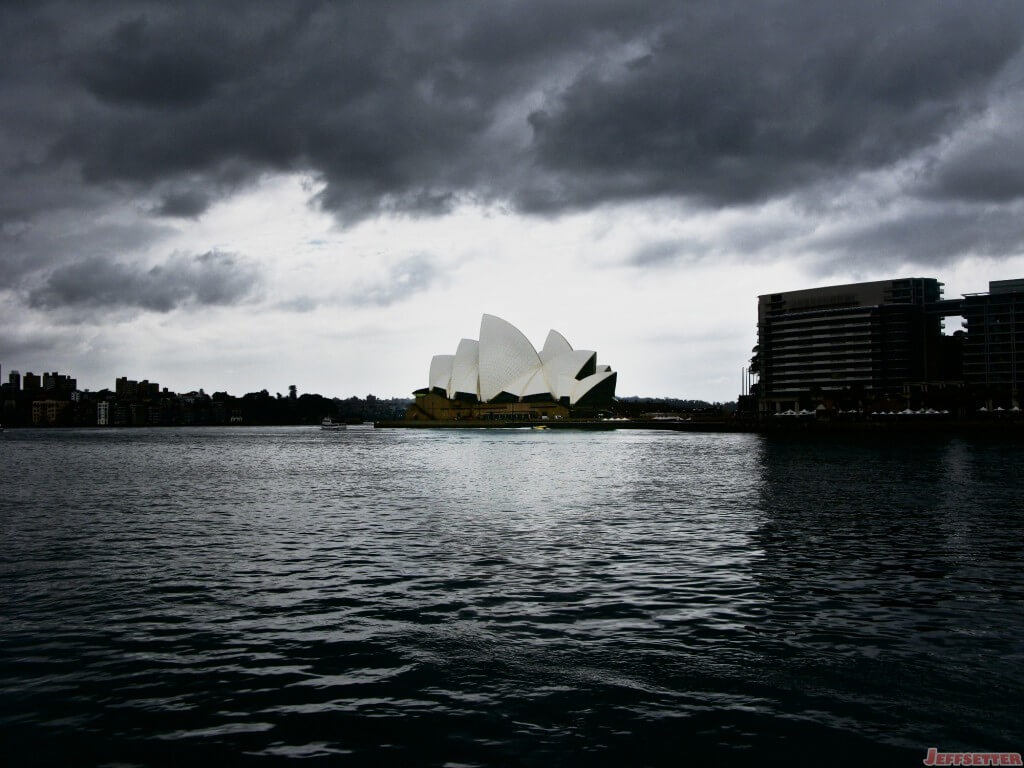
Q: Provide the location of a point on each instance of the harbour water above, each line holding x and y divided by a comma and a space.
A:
391, 597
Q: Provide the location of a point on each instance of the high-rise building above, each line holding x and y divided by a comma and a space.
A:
48, 411
58, 382
31, 382
993, 357
126, 388
14, 379
861, 340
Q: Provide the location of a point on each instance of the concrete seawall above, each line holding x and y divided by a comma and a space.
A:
1009, 427
677, 426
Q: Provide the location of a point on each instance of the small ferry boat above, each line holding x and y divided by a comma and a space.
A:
327, 423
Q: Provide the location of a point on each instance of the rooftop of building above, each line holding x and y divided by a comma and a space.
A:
997, 287
848, 287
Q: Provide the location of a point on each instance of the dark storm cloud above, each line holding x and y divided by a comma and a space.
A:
19, 344
187, 205
995, 178
733, 109
664, 252
991, 171
544, 105
746, 238
929, 236
406, 278
33, 244
397, 104
163, 67
211, 278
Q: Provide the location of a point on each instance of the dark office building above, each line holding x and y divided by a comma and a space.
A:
136, 390
855, 342
993, 356
57, 382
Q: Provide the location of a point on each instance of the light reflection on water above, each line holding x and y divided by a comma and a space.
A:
506, 596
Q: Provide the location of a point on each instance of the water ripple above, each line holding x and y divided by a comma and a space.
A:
520, 598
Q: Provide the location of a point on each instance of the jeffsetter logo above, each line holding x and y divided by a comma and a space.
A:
971, 758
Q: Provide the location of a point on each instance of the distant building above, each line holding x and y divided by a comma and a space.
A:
31, 382
14, 379
503, 376
862, 339
120, 415
48, 411
102, 413
846, 345
138, 414
57, 382
993, 356
126, 388
129, 389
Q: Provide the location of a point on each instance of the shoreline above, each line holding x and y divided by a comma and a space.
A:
1009, 426
1013, 427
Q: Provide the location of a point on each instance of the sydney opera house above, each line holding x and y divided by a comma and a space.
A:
503, 376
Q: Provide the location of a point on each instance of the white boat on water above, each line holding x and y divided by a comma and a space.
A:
327, 423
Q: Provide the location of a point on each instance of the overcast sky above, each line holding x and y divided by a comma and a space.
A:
247, 195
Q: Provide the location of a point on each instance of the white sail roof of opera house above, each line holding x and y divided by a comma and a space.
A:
503, 366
